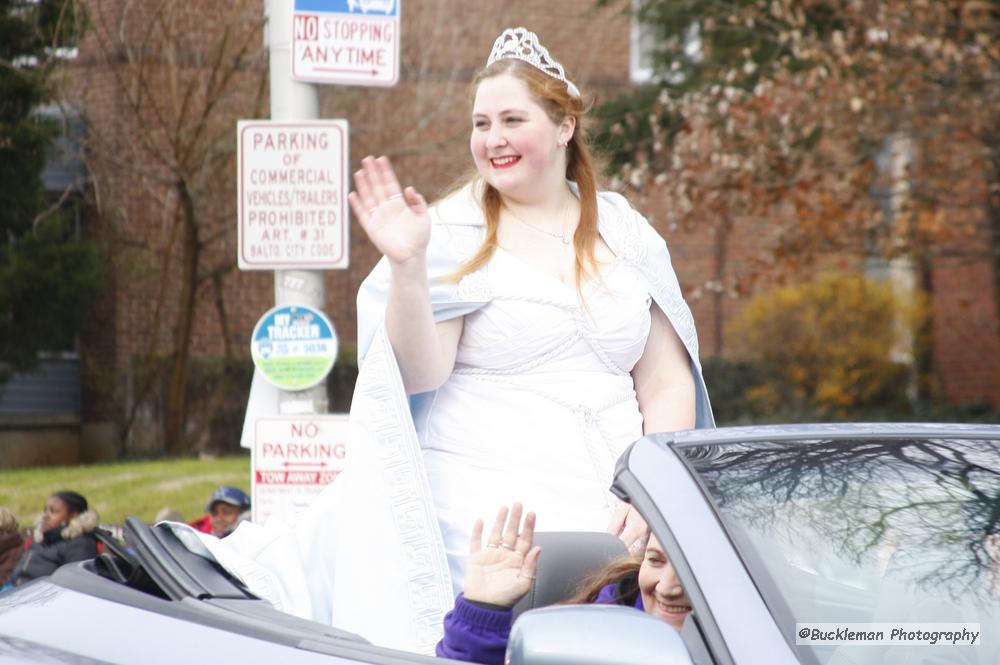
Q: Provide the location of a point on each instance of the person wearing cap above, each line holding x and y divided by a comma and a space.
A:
225, 510
65, 533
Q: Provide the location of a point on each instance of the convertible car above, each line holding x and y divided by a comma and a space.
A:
771, 529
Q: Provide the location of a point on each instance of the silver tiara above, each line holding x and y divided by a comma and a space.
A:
522, 44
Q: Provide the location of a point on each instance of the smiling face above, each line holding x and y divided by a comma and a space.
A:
516, 146
662, 593
224, 515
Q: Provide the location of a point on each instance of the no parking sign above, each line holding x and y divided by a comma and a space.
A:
293, 459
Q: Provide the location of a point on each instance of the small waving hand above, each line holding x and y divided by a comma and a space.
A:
395, 219
501, 573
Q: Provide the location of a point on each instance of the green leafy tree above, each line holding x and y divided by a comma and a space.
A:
47, 276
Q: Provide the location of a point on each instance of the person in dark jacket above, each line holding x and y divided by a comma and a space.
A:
500, 574
65, 534
11, 544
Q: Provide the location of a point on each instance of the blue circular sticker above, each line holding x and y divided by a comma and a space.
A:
294, 346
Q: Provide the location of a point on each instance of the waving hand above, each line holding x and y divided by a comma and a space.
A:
395, 219
501, 573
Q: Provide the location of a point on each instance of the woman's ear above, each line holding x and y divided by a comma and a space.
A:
566, 129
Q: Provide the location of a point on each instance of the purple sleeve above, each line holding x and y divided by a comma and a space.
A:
475, 634
606, 596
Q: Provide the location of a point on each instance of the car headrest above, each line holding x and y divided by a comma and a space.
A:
567, 559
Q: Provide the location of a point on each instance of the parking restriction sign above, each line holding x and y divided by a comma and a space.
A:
346, 42
292, 195
293, 459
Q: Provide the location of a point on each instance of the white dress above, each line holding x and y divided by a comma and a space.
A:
539, 407
540, 403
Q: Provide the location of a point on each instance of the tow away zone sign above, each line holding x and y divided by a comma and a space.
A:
293, 459
346, 42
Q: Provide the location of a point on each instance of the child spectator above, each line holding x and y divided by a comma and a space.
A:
226, 509
65, 534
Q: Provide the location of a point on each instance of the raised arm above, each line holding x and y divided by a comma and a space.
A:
497, 576
397, 223
500, 573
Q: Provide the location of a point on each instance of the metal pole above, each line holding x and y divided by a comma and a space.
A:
294, 101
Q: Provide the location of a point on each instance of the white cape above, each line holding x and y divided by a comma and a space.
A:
368, 556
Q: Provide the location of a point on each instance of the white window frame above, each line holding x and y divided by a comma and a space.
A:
638, 72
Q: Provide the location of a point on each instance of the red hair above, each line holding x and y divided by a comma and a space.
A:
552, 95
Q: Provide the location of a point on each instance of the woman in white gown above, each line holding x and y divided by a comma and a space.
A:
567, 363
538, 329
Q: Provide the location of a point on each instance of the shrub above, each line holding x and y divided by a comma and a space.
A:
728, 383
833, 345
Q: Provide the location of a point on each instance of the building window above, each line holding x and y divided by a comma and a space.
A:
642, 47
646, 47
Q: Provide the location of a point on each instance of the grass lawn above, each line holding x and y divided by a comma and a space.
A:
118, 490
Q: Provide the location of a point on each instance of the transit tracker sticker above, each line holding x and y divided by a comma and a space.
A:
294, 346
293, 459
346, 42
292, 195
899, 634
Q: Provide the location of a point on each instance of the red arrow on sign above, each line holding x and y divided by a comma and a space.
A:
373, 72
288, 464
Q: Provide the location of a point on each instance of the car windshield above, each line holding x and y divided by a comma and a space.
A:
865, 531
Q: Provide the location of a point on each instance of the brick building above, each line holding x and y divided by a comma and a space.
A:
132, 56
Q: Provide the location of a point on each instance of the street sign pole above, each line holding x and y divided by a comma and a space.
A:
292, 216
292, 100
